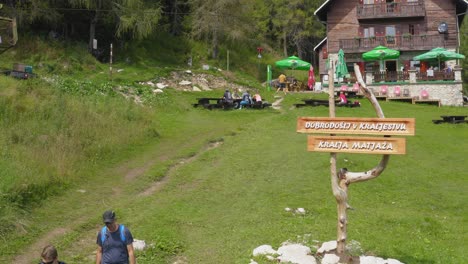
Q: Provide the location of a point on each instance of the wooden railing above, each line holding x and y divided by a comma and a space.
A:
390, 76
413, 9
399, 76
401, 42
437, 76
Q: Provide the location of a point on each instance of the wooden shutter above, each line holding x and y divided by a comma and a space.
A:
324, 53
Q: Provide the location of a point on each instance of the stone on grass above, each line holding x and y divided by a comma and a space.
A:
393, 261
371, 260
139, 244
327, 247
185, 83
158, 91
264, 250
196, 89
252, 262
300, 211
295, 253
161, 85
330, 259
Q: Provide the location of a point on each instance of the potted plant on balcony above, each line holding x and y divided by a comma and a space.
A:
407, 36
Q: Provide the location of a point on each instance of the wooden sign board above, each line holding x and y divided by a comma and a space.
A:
352, 125
366, 145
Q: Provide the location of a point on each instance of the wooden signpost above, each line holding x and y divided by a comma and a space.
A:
378, 140
367, 126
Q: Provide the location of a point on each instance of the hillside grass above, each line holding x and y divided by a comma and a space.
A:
71, 142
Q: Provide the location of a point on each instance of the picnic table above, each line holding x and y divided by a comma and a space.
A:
453, 119
216, 102
350, 94
315, 102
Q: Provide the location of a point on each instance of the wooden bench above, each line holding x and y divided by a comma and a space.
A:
404, 99
427, 101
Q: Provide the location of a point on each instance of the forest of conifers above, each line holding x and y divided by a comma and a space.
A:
287, 26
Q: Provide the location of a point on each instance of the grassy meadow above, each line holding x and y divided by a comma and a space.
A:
203, 186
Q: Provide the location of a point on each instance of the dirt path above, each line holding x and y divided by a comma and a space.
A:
277, 103
86, 241
159, 184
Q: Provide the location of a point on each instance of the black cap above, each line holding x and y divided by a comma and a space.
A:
108, 216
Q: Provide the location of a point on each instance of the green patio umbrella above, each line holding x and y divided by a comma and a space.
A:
380, 53
341, 69
439, 54
293, 63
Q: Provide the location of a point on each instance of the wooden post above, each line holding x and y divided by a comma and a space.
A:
342, 179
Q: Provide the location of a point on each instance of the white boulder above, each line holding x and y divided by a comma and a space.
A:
139, 244
327, 247
295, 253
264, 250
330, 259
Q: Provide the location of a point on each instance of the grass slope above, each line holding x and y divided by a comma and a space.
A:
72, 147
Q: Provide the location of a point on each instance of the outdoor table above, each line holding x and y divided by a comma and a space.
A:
349, 94
216, 102
315, 102
453, 119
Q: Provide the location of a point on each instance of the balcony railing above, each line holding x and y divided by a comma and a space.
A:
387, 10
410, 42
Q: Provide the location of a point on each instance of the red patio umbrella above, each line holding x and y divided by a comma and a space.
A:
311, 81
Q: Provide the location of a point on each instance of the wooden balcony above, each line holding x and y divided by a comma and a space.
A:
391, 10
402, 43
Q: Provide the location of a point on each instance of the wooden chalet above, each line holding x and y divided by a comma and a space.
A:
410, 26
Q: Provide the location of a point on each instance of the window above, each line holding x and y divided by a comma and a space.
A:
411, 30
369, 32
390, 33
368, 2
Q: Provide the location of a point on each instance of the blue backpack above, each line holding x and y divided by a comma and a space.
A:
122, 234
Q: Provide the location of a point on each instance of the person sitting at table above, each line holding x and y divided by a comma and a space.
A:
257, 98
236, 95
227, 97
343, 99
246, 99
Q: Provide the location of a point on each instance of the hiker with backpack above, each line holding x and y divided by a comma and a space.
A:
115, 242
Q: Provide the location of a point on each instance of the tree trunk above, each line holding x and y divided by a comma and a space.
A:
175, 20
92, 26
342, 179
214, 45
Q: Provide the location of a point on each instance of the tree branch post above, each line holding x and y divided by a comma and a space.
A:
342, 179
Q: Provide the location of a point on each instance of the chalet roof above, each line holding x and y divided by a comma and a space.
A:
321, 12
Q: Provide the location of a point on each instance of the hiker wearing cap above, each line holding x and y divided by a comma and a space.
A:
115, 242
